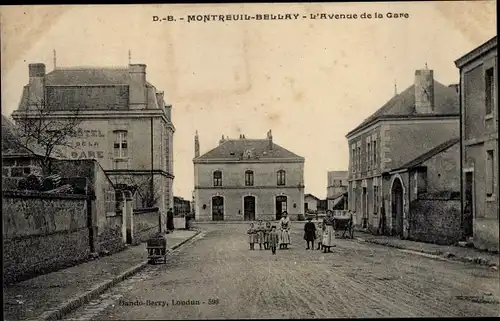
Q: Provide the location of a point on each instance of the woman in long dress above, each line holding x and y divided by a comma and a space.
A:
285, 231
329, 232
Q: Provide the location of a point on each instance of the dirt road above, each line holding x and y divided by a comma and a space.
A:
217, 276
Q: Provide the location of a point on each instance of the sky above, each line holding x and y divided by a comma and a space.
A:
309, 81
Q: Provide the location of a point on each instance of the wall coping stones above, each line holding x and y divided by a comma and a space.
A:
37, 194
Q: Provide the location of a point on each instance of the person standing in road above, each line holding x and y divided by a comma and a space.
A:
170, 220
319, 235
285, 231
329, 232
260, 233
252, 236
273, 239
267, 232
309, 233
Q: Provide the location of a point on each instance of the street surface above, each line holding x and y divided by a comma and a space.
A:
216, 276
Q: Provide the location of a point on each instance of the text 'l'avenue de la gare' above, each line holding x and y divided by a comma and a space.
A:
280, 16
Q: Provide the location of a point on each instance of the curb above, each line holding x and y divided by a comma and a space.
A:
76, 302
447, 255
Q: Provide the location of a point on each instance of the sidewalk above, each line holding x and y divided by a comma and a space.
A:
50, 296
468, 255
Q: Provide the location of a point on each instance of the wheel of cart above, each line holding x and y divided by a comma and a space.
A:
157, 249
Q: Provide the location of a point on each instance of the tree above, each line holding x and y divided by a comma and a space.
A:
145, 187
44, 132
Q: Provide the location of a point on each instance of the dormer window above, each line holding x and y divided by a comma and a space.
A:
218, 178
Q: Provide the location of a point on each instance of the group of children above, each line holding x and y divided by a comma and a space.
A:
264, 235
312, 233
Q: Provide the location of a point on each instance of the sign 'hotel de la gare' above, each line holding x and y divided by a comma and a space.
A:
123, 121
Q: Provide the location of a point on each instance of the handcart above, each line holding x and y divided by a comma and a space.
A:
157, 249
344, 224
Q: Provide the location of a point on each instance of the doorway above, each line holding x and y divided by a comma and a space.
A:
397, 207
468, 216
249, 208
217, 208
281, 202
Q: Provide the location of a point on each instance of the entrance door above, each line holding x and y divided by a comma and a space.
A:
281, 202
217, 208
397, 207
249, 208
468, 217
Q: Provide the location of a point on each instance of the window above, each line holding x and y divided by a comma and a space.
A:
120, 145
249, 178
369, 155
375, 152
217, 178
375, 199
359, 158
490, 172
354, 159
490, 81
281, 177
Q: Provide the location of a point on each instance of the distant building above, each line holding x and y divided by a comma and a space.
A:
182, 207
125, 124
423, 116
338, 183
311, 203
480, 152
248, 179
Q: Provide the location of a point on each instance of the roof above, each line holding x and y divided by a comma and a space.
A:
477, 52
311, 195
87, 76
446, 102
335, 196
429, 154
90, 89
9, 139
234, 149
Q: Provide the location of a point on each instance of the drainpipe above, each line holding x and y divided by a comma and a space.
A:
461, 159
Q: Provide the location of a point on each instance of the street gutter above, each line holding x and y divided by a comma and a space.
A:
79, 300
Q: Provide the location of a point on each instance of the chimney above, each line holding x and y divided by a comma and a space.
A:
243, 136
424, 91
196, 145
270, 139
222, 140
159, 99
137, 86
36, 89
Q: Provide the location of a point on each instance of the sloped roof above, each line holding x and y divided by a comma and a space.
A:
429, 154
233, 149
87, 76
311, 195
9, 145
446, 102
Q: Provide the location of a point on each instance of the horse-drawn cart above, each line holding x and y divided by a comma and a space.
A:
157, 248
345, 224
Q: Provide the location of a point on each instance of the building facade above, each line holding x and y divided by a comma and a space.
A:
338, 184
247, 179
425, 196
123, 123
311, 203
479, 133
413, 122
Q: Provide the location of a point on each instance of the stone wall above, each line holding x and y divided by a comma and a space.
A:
435, 221
42, 233
146, 223
109, 236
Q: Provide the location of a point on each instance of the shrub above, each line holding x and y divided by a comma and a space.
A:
301, 217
